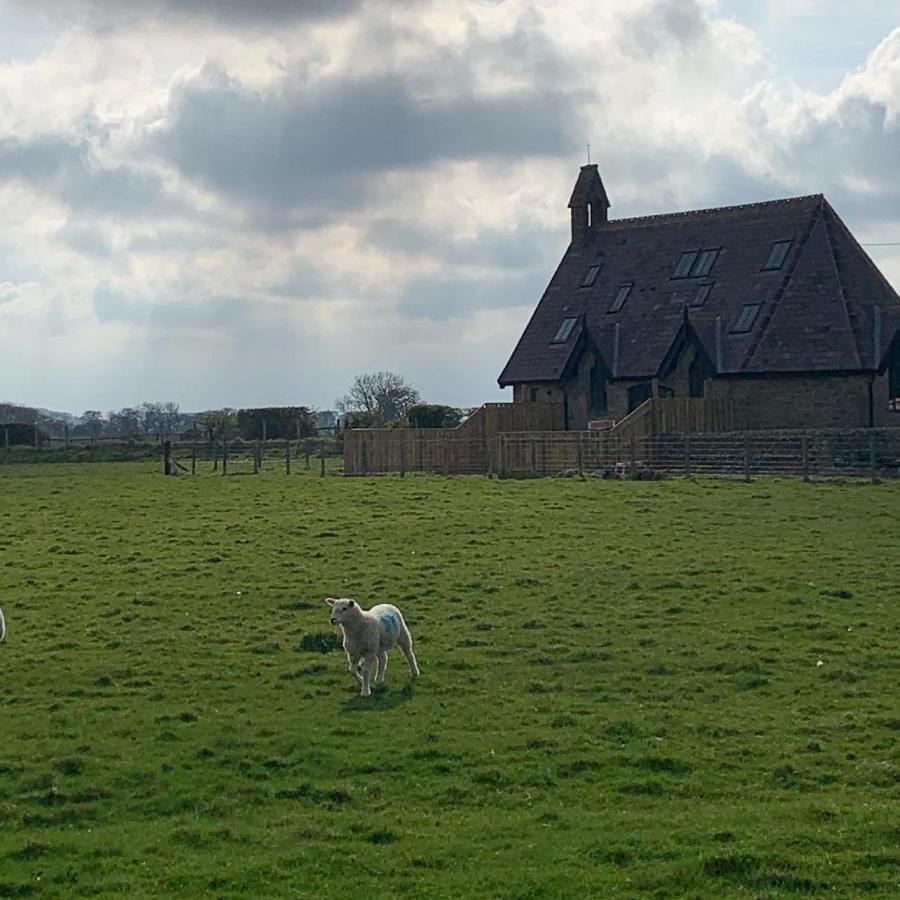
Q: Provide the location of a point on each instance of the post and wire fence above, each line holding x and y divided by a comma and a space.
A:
240, 457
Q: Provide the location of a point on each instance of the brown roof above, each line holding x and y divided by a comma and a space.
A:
824, 309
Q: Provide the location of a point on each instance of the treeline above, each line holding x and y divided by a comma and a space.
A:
24, 425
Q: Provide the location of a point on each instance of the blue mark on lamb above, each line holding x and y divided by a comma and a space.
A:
389, 622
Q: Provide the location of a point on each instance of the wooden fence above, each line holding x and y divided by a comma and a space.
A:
483, 443
870, 452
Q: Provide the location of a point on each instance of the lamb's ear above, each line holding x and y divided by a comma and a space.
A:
331, 600
351, 604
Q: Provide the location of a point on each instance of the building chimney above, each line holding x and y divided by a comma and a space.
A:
589, 205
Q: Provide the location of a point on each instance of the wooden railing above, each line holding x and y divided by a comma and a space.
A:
662, 415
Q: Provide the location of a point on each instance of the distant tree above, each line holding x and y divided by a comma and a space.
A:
433, 415
13, 412
218, 423
384, 395
150, 416
169, 418
22, 434
291, 422
92, 421
125, 423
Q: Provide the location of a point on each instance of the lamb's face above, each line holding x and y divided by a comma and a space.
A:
340, 609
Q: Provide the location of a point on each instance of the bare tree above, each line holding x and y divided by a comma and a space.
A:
383, 395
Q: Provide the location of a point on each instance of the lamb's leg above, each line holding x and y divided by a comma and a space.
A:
353, 666
367, 664
382, 667
404, 642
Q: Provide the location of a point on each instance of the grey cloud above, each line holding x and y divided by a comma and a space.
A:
224, 312
665, 25
316, 144
85, 240
103, 14
458, 297
519, 247
64, 170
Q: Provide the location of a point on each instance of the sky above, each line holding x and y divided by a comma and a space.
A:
249, 202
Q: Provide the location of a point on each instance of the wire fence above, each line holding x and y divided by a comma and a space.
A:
251, 457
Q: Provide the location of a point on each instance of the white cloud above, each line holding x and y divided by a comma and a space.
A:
384, 187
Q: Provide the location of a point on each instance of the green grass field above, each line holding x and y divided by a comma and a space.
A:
669, 689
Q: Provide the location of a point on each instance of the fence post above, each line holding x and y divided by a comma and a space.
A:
746, 457
6, 438
224, 456
804, 455
322, 460
873, 460
66, 430
215, 456
687, 455
287, 457
579, 454
531, 453
194, 457
402, 455
633, 453
167, 458
500, 472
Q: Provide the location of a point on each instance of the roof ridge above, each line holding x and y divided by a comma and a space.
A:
689, 213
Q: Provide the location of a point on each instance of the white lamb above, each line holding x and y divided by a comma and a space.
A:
368, 635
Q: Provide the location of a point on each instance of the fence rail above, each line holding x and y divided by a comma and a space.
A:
869, 452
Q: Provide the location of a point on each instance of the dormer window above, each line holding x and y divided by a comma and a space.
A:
620, 298
565, 329
695, 263
745, 320
778, 254
591, 276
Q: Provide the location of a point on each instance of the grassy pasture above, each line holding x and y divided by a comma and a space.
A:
672, 689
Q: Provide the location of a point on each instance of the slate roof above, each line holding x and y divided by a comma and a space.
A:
827, 308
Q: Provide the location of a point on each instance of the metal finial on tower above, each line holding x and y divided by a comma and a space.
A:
589, 153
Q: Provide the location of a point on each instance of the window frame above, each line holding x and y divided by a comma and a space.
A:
560, 337
769, 266
591, 275
707, 287
691, 256
747, 326
710, 254
623, 291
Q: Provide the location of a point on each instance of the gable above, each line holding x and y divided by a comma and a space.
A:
806, 326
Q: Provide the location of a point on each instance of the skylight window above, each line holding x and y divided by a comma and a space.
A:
746, 319
778, 254
695, 263
700, 296
685, 263
565, 329
591, 276
620, 298
704, 262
